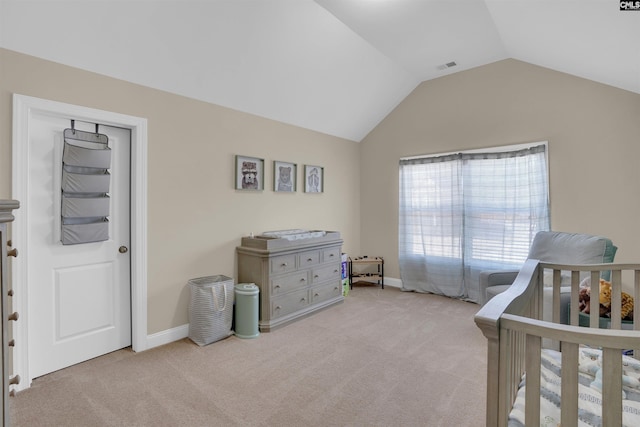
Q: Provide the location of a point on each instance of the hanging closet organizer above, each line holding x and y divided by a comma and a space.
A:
86, 159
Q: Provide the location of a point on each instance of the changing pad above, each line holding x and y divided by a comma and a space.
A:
293, 234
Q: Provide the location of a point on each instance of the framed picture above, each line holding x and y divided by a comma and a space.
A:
313, 179
249, 173
284, 176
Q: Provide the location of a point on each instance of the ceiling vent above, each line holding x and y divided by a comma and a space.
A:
447, 65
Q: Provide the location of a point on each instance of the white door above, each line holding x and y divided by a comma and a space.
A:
79, 296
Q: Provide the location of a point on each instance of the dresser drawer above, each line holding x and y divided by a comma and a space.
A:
331, 254
289, 282
324, 273
283, 263
288, 303
325, 292
309, 258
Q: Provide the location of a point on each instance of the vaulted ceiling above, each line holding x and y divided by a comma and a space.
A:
334, 66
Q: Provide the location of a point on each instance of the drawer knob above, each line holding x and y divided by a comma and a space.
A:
303, 299
13, 316
13, 252
316, 294
277, 286
331, 255
278, 307
309, 259
303, 280
316, 276
284, 264
15, 380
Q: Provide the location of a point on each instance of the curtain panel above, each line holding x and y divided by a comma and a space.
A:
468, 212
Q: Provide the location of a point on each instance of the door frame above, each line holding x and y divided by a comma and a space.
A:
23, 109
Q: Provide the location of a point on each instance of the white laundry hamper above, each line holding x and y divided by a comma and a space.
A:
210, 309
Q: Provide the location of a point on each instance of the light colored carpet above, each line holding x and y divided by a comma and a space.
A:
382, 358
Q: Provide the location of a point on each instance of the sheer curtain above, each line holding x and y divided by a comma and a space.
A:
464, 213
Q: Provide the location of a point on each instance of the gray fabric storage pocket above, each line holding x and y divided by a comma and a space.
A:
86, 159
83, 206
77, 155
84, 230
85, 180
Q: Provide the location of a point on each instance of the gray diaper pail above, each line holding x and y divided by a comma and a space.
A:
210, 309
247, 305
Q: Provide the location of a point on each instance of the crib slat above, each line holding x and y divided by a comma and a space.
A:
594, 315
493, 385
569, 371
616, 299
532, 391
611, 387
555, 305
636, 297
505, 387
516, 368
575, 298
636, 307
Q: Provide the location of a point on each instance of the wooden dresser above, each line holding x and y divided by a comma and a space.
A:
295, 277
6, 216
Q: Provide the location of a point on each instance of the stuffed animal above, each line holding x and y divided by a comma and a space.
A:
584, 298
626, 309
626, 312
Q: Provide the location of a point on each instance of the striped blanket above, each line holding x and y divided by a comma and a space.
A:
589, 391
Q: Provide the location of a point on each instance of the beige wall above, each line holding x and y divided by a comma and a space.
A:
196, 217
594, 146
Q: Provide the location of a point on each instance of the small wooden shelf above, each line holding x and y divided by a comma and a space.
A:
360, 270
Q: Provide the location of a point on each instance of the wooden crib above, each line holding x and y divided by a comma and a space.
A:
526, 349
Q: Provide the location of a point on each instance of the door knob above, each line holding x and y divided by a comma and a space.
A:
123, 249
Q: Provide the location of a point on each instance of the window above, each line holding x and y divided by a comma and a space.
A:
469, 211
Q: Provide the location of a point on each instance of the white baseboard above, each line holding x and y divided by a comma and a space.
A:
167, 336
180, 332
393, 282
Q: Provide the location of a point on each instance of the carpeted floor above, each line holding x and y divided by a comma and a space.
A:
382, 358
